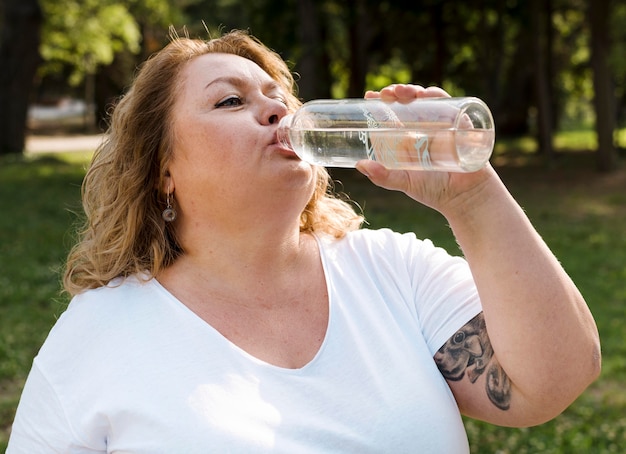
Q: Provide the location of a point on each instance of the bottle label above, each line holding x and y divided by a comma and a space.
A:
364, 135
394, 147
422, 151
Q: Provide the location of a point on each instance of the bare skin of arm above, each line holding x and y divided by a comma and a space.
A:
542, 348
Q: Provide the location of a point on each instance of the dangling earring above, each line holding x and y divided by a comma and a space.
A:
169, 213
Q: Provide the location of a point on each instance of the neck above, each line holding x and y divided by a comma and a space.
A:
244, 255
239, 244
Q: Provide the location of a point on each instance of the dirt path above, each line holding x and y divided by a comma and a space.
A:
53, 144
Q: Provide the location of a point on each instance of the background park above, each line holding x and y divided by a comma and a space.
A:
552, 71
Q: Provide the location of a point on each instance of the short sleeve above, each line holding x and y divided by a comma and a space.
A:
40, 424
445, 294
437, 288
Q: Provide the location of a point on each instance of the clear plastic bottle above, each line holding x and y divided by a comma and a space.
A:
443, 134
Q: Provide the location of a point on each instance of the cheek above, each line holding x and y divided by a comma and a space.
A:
210, 138
192, 144
212, 154
200, 161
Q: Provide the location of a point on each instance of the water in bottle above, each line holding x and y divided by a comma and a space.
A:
444, 134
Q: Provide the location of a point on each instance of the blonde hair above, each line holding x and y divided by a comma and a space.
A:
124, 232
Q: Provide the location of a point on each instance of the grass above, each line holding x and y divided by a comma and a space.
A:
580, 213
33, 240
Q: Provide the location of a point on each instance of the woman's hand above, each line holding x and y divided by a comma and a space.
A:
442, 191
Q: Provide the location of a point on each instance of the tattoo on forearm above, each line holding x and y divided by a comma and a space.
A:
469, 352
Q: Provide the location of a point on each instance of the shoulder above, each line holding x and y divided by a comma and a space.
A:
99, 317
368, 239
121, 297
387, 246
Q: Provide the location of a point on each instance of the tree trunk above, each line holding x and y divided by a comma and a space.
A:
438, 69
607, 159
543, 97
313, 65
19, 58
359, 38
513, 102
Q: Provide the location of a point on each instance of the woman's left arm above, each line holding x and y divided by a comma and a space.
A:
542, 340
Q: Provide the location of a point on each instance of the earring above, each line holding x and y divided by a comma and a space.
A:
169, 213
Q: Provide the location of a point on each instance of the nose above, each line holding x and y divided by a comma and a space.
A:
275, 110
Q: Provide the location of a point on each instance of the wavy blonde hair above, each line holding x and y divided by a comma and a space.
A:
124, 233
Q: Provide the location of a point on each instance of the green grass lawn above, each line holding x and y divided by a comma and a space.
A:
580, 213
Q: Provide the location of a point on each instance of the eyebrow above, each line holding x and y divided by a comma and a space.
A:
230, 80
240, 82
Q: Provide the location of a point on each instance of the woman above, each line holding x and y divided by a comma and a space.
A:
226, 302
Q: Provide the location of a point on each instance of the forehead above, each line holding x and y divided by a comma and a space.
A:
218, 67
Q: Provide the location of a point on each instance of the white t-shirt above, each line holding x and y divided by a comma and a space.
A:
129, 369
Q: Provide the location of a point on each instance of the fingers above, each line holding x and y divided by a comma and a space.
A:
401, 92
372, 170
406, 92
381, 176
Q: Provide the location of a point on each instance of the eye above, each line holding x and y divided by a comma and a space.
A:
231, 101
281, 99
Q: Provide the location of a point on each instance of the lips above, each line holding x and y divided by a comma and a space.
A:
280, 144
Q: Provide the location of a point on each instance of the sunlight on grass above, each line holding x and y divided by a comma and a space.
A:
525, 145
71, 157
564, 140
576, 140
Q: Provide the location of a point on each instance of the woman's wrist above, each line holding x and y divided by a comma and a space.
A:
481, 207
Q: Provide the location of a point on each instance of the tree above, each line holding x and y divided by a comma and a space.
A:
83, 35
314, 60
607, 159
19, 57
540, 13
359, 37
153, 19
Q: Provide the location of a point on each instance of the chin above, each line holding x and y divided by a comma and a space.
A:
303, 175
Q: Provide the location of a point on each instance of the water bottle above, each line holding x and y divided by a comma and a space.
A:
442, 134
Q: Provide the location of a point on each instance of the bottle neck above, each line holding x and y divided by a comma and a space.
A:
282, 132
